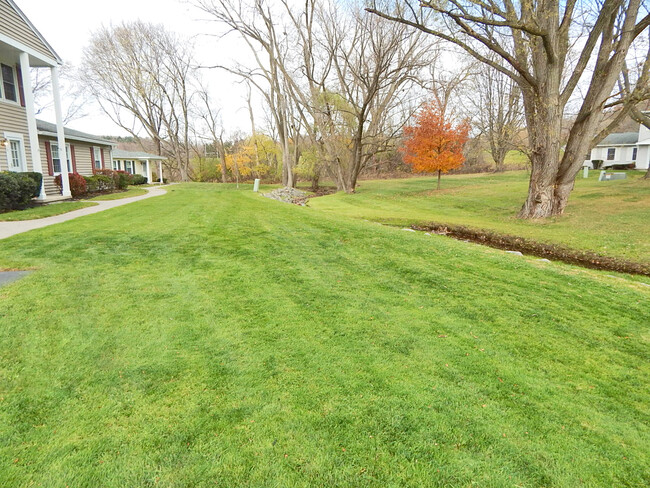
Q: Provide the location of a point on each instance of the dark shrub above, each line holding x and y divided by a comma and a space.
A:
37, 178
113, 175
597, 163
16, 190
99, 183
139, 180
124, 179
78, 186
121, 179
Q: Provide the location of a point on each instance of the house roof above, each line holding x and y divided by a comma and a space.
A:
120, 154
35, 31
49, 129
620, 139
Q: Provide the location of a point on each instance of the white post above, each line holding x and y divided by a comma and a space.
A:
149, 172
63, 156
160, 172
585, 172
31, 119
256, 185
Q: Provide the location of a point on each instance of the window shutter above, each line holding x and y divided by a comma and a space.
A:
21, 90
92, 159
103, 162
73, 159
48, 155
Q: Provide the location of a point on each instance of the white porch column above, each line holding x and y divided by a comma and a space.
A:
160, 171
32, 130
65, 184
148, 171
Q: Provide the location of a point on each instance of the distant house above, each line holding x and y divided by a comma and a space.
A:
137, 162
31, 144
85, 153
623, 150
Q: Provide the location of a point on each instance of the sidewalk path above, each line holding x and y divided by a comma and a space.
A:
8, 229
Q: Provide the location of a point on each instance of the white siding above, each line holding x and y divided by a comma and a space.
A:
643, 157
13, 118
13, 26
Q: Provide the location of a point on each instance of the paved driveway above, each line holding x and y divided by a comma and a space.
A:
8, 229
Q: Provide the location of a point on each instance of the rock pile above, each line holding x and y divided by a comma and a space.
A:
288, 195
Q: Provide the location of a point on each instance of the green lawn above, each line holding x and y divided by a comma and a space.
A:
606, 217
43, 211
131, 192
212, 337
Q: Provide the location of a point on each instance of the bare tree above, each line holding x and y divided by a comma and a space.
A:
143, 78
633, 89
535, 43
493, 102
375, 64
75, 98
212, 126
329, 71
254, 22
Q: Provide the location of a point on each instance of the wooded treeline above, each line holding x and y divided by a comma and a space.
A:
340, 80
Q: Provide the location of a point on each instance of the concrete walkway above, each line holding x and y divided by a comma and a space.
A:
8, 229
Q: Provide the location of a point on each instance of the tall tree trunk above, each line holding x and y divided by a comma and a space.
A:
647, 174
438, 180
499, 156
544, 120
222, 157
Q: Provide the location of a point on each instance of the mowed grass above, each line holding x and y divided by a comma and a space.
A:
212, 337
131, 192
609, 217
43, 211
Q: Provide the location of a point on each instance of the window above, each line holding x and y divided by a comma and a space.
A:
634, 154
56, 159
611, 153
97, 158
8, 83
15, 152
128, 166
116, 165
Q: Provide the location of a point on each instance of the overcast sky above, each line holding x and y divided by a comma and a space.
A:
68, 24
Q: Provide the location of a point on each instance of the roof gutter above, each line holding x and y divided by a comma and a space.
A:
77, 138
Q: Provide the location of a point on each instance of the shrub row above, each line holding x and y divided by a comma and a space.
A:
18, 189
103, 180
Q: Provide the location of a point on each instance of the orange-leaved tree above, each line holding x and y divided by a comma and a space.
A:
434, 144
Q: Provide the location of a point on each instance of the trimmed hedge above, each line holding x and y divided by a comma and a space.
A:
17, 190
139, 180
98, 183
121, 179
37, 178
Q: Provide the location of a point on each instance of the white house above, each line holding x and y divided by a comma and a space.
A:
137, 162
22, 47
623, 149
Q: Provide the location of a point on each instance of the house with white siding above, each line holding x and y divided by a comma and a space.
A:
623, 150
85, 153
30, 144
138, 162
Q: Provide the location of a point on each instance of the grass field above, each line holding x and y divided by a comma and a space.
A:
211, 337
43, 211
606, 217
131, 192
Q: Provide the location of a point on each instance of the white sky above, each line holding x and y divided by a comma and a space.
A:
67, 25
